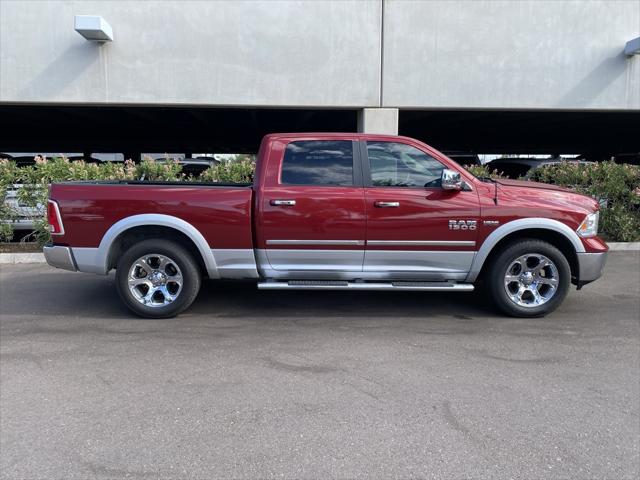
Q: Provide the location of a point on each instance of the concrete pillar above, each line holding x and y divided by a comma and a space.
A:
378, 120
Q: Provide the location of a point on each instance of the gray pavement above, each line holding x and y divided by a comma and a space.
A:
253, 384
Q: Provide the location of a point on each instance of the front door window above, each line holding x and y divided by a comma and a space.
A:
400, 165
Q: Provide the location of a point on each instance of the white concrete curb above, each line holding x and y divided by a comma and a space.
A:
624, 246
12, 258
22, 258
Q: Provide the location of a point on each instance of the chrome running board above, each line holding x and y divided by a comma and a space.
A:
342, 285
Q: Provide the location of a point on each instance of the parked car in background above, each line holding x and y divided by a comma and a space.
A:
515, 168
191, 165
332, 212
24, 214
629, 158
105, 157
465, 159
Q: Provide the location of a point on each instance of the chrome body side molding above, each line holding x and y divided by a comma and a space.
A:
421, 243
377, 243
343, 243
514, 226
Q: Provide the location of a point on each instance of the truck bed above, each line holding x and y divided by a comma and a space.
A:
221, 212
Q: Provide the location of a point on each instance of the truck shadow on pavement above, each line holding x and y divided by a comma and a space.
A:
240, 299
89, 296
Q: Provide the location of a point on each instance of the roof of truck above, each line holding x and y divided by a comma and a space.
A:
336, 135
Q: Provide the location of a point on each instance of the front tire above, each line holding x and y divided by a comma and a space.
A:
530, 278
157, 278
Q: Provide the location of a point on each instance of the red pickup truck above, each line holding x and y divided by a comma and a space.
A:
332, 212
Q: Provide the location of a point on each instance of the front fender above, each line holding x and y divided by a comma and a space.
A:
517, 225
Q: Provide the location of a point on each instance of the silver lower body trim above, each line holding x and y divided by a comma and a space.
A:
372, 265
391, 286
235, 263
289, 260
89, 260
59, 257
418, 261
590, 266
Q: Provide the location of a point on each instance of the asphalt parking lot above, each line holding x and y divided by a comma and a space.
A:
253, 384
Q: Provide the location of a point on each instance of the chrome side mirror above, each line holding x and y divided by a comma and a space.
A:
451, 180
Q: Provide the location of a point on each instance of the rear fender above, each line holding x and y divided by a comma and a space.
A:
95, 260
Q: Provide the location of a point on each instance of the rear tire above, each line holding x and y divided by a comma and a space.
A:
157, 278
530, 278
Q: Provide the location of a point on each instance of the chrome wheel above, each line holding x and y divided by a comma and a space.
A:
531, 280
155, 280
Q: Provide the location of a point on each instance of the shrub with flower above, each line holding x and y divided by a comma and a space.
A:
614, 185
240, 171
617, 187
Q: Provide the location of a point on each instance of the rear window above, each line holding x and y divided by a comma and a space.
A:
318, 162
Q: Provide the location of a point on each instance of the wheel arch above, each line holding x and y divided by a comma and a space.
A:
129, 230
552, 231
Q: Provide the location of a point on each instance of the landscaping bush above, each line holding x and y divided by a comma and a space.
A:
240, 171
34, 183
162, 171
35, 180
482, 171
7, 213
617, 187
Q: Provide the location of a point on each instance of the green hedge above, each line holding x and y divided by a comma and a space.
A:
617, 187
35, 180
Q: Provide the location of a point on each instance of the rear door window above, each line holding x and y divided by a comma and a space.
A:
318, 162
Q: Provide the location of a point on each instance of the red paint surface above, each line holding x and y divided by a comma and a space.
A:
423, 215
223, 214
320, 213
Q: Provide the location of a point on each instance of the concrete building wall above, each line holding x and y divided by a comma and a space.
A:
528, 54
322, 53
511, 54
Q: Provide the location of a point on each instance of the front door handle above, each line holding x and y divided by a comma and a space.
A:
283, 203
387, 204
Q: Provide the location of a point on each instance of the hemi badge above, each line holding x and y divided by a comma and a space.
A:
491, 223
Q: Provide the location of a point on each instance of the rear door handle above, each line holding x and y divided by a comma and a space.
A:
387, 204
283, 203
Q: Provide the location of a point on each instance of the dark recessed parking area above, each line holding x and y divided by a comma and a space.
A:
131, 130
157, 129
535, 132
